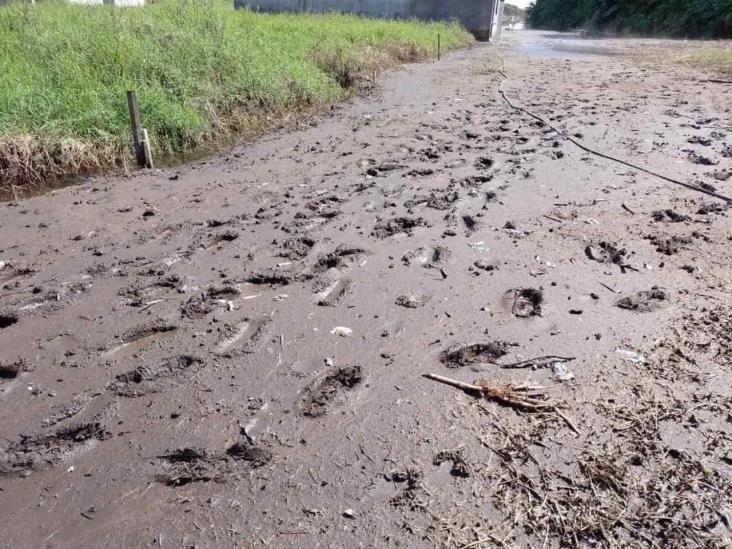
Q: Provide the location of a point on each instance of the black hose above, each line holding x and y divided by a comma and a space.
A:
601, 154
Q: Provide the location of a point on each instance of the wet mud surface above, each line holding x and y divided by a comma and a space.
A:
230, 353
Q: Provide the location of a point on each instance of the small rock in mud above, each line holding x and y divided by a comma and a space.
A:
323, 394
669, 215
605, 252
459, 468
413, 301
526, 302
645, 301
458, 356
387, 228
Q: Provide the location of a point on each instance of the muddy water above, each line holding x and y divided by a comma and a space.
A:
232, 354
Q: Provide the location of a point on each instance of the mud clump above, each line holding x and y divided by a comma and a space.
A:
460, 467
605, 252
526, 302
669, 215
669, 246
459, 356
7, 319
13, 370
147, 379
712, 208
254, 456
385, 229
196, 308
270, 277
321, 396
410, 496
297, 248
646, 301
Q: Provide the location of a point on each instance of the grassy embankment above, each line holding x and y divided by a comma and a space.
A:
715, 60
204, 74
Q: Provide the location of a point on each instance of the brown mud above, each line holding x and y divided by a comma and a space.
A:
230, 353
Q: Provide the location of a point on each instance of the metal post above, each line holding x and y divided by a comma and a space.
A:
438, 46
135, 126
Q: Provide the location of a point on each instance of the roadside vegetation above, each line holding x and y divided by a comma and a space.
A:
677, 18
710, 59
205, 74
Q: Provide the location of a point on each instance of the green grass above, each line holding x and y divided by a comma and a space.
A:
203, 73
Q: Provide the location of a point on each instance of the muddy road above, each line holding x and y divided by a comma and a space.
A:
231, 353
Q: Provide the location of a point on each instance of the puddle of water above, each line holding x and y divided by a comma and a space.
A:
576, 48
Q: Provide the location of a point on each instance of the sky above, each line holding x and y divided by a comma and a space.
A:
520, 3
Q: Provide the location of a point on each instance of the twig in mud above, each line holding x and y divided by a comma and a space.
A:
631, 212
539, 361
552, 218
527, 398
613, 290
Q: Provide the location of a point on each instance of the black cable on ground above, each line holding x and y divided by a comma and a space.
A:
601, 154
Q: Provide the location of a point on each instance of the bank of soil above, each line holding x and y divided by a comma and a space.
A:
231, 353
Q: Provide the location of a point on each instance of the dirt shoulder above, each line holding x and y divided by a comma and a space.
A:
231, 353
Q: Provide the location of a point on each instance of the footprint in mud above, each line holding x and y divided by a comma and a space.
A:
326, 393
458, 356
187, 465
8, 319
334, 293
605, 252
155, 378
646, 301
140, 295
385, 229
10, 276
459, 466
218, 240
36, 452
243, 337
524, 302
427, 256
343, 256
140, 338
413, 301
